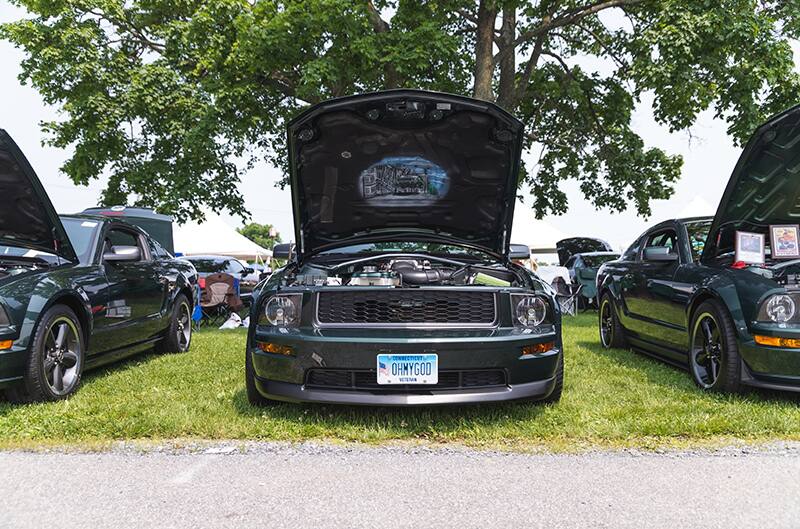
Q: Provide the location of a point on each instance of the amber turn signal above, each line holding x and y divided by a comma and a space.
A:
275, 348
775, 341
538, 348
6, 344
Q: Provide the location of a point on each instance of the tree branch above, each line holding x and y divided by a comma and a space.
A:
564, 19
571, 75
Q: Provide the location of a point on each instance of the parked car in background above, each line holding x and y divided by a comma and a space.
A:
566, 248
401, 289
259, 273
77, 291
583, 273
680, 293
157, 226
214, 264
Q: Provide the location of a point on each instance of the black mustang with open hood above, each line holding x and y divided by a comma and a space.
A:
410, 164
402, 290
683, 292
77, 291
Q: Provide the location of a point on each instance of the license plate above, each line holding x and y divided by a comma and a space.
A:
408, 369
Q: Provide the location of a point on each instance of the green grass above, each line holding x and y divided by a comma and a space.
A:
611, 399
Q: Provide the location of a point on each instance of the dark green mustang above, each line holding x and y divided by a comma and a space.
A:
678, 292
77, 291
401, 289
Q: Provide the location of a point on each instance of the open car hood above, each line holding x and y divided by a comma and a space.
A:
404, 165
764, 188
566, 248
27, 217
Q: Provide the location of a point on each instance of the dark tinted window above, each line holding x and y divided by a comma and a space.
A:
665, 238
698, 233
123, 237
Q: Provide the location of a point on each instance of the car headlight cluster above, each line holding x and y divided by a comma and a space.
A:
529, 311
282, 310
779, 308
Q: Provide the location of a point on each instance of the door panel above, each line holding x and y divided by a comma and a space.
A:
656, 299
133, 298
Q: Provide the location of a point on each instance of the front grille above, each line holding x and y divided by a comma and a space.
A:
406, 307
367, 380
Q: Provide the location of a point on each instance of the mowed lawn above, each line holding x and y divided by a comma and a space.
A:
611, 399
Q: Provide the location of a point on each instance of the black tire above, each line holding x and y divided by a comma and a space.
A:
555, 395
55, 361
253, 396
612, 334
179, 333
714, 362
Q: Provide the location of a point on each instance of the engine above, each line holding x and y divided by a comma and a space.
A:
405, 272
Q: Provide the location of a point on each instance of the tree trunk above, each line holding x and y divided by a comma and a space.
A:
484, 39
508, 64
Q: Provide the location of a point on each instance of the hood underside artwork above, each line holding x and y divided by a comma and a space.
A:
404, 165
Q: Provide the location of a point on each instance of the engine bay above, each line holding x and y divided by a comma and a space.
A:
12, 268
409, 271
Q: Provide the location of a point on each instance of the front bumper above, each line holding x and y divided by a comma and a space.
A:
299, 393
774, 368
285, 378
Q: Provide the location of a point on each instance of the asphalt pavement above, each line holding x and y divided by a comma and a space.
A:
321, 486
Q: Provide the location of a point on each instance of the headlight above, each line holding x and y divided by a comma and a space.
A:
4, 317
779, 308
283, 310
529, 311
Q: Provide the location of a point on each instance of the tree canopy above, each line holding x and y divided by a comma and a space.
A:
263, 235
174, 98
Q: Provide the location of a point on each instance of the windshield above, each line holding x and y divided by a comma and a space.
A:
215, 266
593, 261
407, 247
81, 235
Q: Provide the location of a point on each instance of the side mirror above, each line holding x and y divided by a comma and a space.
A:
123, 253
519, 251
661, 254
283, 251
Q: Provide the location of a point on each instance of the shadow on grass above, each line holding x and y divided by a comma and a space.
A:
434, 420
667, 374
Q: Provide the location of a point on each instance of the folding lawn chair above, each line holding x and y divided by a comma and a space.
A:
219, 298
567, 296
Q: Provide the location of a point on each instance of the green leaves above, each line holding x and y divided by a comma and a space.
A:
174, 99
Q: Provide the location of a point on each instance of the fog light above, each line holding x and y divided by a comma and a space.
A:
6, 344
775, 341
275, 348
538, 348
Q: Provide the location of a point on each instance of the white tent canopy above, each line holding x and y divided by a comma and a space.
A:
215, 237
540, 236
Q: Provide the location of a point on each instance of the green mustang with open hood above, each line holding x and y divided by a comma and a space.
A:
400, 289
683, 292
77, 291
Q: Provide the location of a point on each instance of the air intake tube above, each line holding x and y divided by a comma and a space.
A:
414, 276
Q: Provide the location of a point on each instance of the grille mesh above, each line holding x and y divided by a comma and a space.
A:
406, 307
367, 380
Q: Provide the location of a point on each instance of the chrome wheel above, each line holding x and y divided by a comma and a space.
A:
62, 356
606, 323
706, 353
183, 327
